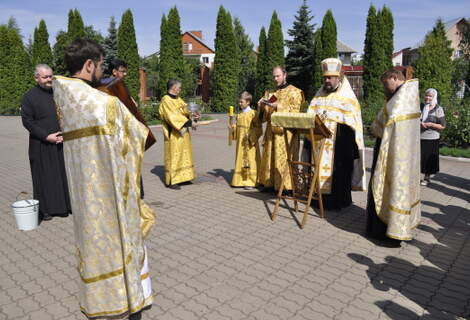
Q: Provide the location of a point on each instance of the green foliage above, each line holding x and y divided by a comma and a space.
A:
465, 41
373, 62
460, 70
457, 131
92, 34
328, 36
172, 64
41, 50
300, 56
226, 64
75, 30
434, 65
275, 44
247, 59
110, 44
262, 74
128, 52
387, 24
15, 70
151, 64
191, 71
317, 79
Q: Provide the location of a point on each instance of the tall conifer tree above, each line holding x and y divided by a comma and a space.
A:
225, 79
373, 61
163, 63
16, 73
434, 65
176, 63
300, 56
275, 44
317, 79
41, 50
128, 52
328, 36
110, 43
387, 36
247, 59
261, 65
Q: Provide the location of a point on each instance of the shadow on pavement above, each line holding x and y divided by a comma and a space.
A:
424, 285
160, 172
227, 175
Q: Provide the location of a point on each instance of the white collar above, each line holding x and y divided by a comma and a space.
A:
247, 109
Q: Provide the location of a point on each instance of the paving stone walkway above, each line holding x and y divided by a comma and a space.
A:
215, 253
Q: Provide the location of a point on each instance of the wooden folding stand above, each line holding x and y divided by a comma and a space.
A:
305, 176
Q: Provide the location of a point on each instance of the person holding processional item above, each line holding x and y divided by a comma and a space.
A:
46, 156
433, 121
285, 98
342, 166
393, 202
176, 120
247, 131
103, 150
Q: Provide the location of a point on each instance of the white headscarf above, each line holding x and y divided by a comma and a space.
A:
425, 112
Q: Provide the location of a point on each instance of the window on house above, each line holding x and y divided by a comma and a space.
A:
190, 46
185, 47
205, 59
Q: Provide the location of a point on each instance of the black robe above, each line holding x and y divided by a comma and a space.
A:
345, 152
39, 117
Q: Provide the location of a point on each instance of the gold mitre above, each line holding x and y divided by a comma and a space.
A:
331, 67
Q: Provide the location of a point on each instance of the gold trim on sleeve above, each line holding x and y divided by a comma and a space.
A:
403, 118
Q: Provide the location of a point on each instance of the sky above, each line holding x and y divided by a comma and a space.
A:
413, 18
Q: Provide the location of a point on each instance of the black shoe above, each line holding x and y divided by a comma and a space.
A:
174, 187
287, 193
46, 217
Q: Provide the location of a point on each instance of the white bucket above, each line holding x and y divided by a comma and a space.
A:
26, 213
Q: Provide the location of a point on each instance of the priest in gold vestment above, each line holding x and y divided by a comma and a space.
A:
342, 166
248, 130
103, 151
393, 204
285, 98
178, 153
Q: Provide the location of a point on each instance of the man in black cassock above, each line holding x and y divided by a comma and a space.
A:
46, 158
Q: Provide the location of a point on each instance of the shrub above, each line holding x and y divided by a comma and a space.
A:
457, 131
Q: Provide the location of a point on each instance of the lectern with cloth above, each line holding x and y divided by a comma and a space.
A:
305, 175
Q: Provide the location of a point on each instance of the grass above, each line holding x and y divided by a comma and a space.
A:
157, 121
444, 151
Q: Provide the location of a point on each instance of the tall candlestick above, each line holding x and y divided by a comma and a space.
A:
231, 111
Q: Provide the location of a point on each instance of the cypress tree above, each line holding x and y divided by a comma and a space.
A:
328, 36
163, 74
373, 62
434, 65
110, 44
275, 44
225, 79
317, 78
41, 50
75, 30
76, 27
300, 56
127, 51
176, 63
247, 59
387, 36
261, 66
16, 74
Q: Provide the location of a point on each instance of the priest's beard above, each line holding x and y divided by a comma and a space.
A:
95, 81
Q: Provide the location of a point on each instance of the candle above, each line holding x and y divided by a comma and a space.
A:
231, 111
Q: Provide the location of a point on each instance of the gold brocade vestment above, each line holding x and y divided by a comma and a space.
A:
395, 180
274, 159
340, 106
247, 159
103, 151
178, 153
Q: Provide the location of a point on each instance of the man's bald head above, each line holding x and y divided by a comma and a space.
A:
279, 75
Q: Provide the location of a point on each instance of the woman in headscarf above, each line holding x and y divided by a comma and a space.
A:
432, 122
